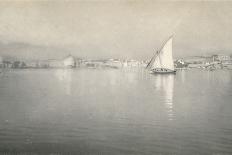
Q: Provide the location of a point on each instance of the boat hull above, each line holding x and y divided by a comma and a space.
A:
163, 71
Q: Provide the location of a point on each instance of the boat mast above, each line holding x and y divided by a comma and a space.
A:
152, 59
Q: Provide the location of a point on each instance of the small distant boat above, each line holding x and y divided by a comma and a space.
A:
162, 61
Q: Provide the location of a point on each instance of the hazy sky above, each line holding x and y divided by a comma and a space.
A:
120, 29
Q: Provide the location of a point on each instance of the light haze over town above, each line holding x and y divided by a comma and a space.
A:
113, 29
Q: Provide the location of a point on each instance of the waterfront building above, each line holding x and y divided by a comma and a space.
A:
55, 63
69, 62
180, 63
43, 64
124, 63
221, 57
31, 64
133, 63
115, 63
19, 64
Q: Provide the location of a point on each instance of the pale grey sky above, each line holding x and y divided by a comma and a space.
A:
120, 29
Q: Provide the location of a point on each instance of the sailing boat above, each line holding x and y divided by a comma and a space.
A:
162, 61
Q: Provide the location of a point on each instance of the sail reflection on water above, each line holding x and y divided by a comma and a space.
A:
165, 85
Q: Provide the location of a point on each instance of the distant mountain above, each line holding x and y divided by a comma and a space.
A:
20, 50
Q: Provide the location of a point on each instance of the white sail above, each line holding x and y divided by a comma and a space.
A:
164, 57
156, 63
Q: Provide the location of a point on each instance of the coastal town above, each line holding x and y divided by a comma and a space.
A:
211, 62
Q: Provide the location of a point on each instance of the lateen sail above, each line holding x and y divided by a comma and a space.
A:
157, 63
164, 57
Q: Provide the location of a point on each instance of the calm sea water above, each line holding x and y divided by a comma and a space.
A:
110, 111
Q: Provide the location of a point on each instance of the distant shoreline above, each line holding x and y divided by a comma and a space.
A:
207, 63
